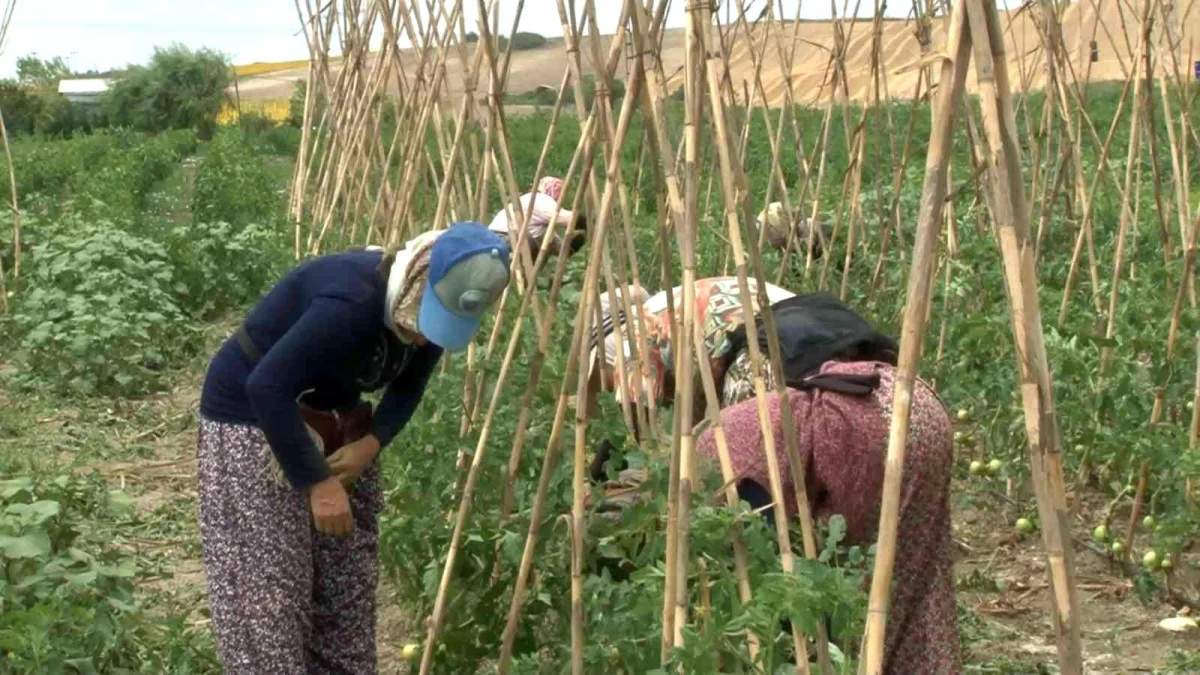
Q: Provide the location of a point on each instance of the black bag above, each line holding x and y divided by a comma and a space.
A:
813, 329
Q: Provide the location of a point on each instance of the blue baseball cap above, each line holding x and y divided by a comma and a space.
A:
468, 270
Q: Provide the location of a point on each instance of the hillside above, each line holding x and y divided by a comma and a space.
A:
1114, 29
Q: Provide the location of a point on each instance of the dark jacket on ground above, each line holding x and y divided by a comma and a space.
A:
322, 336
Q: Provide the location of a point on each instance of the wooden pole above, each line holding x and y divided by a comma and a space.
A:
920, 286
1041, 425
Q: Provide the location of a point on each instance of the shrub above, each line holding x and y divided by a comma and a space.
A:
296, 104
67, 597
49, 168
255, 123
233, 185
221, 267
21, 108
99, 315
179, 89
283, 140
183, 142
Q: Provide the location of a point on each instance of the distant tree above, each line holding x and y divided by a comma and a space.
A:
522, 41
179, 89
22, 109
472, 36
296, 104
34, 71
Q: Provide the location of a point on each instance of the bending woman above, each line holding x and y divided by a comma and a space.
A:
545, 204
288, 477
719, 306
841, 416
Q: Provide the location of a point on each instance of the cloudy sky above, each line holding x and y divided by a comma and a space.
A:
105, 34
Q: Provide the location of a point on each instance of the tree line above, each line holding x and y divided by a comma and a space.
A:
178, 88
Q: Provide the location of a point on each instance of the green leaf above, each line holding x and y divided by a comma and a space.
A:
31, 545
83, 578
36, 513
83, 666
837, 530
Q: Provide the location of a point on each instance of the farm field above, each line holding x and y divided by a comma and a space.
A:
1016, 204
168, 240
1108, 22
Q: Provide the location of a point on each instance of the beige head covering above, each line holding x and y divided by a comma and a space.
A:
405, 286
406, 282
637, 295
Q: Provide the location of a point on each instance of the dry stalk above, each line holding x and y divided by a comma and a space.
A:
1011, 215
1132, 163
735, 193
1194, 428
1135, 514
920, 286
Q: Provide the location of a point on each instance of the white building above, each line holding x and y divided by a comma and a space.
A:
87, 90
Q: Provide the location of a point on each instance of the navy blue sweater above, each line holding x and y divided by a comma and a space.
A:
321, 334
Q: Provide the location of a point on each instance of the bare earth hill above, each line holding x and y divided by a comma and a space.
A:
1112, 24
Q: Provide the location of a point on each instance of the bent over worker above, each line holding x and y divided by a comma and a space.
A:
541, 221
287, 451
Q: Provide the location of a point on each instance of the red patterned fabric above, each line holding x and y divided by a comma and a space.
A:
551, 187
843, 444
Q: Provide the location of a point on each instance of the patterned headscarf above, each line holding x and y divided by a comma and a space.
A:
551, 186
406, 281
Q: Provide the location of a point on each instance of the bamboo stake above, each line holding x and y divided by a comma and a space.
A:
683, 441
1132, 162
1194, 428
920, 285
602, 104
434, 624
514, 457
1036, 384
1189, 261
589, 148
12, 184
1085, 231
731, 185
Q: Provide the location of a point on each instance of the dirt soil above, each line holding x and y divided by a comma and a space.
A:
1120, 634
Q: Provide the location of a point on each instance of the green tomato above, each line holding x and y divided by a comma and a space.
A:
1148, 522
977, 468
1100, 533
1080, 449
1118, 547
1150, 559
994, 467
1025, 525
1166, 563
963, 414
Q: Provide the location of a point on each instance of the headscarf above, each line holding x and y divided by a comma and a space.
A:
551, 186
406, 282
772, 221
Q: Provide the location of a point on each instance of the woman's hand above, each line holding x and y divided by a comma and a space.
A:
331, 508
352, 459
